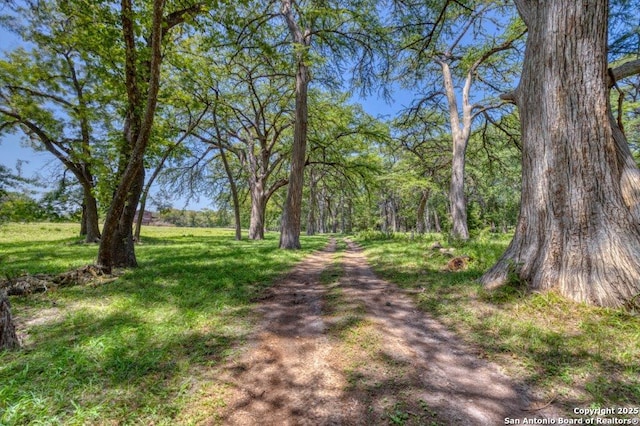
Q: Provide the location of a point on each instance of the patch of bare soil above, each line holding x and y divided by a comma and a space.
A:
375, 360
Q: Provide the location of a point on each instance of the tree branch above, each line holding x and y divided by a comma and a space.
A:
43, 95
179, 16
623, 71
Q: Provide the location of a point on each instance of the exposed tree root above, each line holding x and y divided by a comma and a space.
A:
39, 283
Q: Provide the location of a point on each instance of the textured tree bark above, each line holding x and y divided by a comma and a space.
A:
258, 207
83, 221
8, 337
90, 218
123, 251
578, 228
291, 214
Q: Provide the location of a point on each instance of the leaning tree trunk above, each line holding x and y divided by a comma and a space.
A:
83, 221
116, 245
8, 337
140, 217
232, 185
578, 230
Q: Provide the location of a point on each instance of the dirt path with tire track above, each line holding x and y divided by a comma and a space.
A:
357, 351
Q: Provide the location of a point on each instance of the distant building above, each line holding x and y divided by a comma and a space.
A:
147, 217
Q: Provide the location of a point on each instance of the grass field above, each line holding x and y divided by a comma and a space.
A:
136, 350
581, 356
142, 349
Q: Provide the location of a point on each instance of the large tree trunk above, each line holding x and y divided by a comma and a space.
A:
290, 233
457, 199
8, 337
578, 229
290, 230
123, 249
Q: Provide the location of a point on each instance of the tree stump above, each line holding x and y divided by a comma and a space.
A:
8, 337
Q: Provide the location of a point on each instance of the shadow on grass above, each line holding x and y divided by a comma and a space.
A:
117, 367
584, 355
129, 350
34, 257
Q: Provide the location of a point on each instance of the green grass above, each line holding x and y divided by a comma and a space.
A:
584, 355
140, 349
42, 248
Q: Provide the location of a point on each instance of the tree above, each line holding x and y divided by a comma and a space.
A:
422, 144
250, 124
469, 51
291, 215
578, 229
339, 33
340, 161
142, 63
50, 93
167, 149
258, 117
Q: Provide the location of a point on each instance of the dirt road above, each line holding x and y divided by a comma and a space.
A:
355, 350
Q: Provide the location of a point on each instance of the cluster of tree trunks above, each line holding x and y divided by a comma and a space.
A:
325, 215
